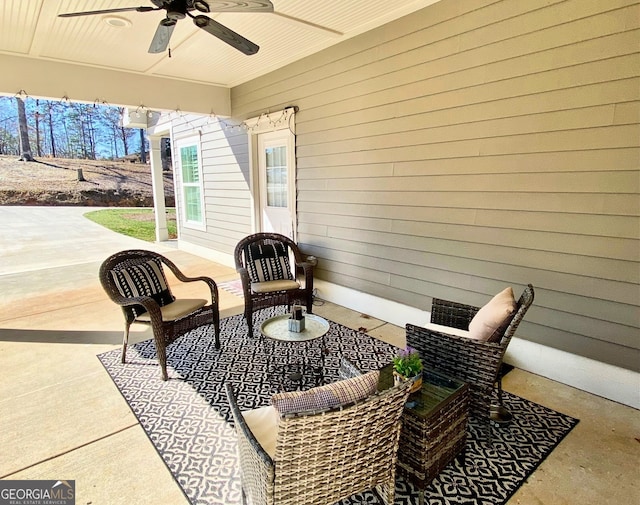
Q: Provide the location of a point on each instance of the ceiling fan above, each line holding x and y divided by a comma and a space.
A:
180, 9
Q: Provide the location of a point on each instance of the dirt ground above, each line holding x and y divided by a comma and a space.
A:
55, 181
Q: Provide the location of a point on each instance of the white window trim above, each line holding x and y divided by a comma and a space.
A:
179, 143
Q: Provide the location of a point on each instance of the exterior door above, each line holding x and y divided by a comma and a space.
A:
276, 182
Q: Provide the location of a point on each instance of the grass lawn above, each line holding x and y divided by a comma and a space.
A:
134, 222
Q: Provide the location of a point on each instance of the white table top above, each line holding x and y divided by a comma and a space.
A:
277, 328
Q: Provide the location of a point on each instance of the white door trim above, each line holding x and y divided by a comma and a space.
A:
276, 121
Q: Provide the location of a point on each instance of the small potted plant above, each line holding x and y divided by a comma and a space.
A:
407, 365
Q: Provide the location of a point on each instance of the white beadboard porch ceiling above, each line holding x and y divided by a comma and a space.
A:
297, 28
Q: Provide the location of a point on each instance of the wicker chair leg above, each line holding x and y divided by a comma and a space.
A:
248, 316
462, 457
386, 493
163, 366
216, 330
125, 341
499, 413
161, 353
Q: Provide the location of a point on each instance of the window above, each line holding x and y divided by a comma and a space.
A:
191, 183
276, 166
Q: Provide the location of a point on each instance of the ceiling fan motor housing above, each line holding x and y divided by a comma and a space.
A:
177, 9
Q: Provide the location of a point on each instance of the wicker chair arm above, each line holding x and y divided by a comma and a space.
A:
211, 284
256, 466
146, 301
307, 270
460, 357
246, 282
150, 305
463, 358
452, 314
184, 278
244, 428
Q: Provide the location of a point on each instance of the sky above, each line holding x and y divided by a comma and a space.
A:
79, 130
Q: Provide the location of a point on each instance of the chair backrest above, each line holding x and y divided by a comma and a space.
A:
523, 304
325, 457
123, 260
260, 239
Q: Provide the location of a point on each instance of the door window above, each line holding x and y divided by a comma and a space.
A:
276, 167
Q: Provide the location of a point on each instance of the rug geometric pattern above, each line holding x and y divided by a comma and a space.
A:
188, 421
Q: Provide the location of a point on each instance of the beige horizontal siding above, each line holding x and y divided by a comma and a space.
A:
399, 217
473, 145
440, 252
445, 205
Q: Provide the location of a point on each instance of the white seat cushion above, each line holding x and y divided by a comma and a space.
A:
176, 309
448, 330
263, 423
269, 286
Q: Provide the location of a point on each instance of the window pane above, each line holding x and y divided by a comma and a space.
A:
276, 161
192, 204
189, 163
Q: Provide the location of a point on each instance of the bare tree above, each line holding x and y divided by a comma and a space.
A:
25, 146
37, 117
143, 147
51, 134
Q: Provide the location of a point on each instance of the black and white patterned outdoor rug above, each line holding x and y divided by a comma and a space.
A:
188, 420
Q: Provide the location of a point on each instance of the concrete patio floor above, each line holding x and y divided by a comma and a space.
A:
61, 416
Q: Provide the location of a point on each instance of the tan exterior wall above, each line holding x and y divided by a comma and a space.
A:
473, 145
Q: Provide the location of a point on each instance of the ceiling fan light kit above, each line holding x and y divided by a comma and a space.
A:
180, 9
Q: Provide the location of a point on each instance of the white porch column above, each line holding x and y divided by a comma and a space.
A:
157, 184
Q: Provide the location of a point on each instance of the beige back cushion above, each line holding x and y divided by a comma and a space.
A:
494, 316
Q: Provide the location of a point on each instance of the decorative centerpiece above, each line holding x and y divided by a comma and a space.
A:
407, 365
296, 319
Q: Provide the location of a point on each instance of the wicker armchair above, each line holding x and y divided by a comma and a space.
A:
322, 457
472, 361
282, 287
134, 279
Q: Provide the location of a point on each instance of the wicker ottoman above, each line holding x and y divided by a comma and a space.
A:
434, 427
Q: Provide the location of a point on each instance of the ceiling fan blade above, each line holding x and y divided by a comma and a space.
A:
239, 6
107, 11
162, 36
226, 35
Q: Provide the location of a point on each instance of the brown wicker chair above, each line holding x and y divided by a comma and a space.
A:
168, 317
323, 457
280, 291
472, 361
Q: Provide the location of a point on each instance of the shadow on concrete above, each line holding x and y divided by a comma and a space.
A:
68, 337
